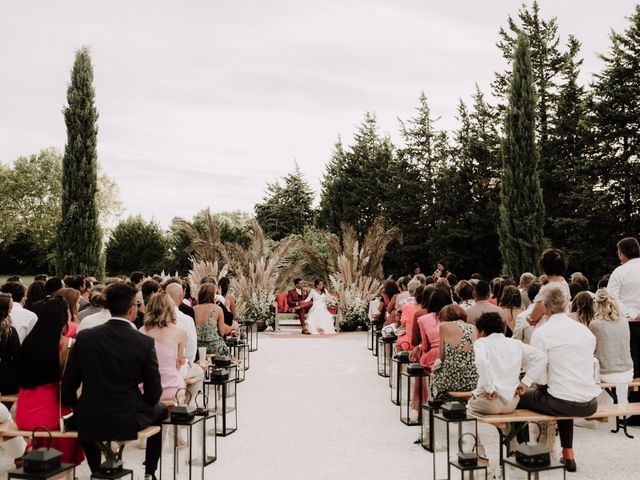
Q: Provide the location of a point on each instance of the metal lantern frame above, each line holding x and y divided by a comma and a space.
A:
224, 362
385, 354
226, 401
428, 412
398, 365
239, 350
511, 470
251, 328
66, 469
446, 434
460, 472
412, 393
376, 326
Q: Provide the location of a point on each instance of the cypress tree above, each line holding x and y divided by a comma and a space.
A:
521, 206
79, 237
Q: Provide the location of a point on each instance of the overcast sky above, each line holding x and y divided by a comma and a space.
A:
202, 102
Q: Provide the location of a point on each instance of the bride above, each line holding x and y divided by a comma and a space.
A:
319, 319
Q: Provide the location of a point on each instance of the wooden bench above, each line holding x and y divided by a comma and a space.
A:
524, 417
292, 320
9, 398
9, 431
610, 388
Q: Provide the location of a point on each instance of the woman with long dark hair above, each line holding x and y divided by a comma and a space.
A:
36, 292
40, 366
511, 305
9, 348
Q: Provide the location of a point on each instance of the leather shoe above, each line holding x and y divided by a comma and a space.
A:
570, 464
305, 332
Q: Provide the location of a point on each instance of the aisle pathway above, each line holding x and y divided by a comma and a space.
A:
314, 408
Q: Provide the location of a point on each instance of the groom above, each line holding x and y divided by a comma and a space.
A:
296, 303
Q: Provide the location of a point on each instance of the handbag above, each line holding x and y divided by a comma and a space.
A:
66, 421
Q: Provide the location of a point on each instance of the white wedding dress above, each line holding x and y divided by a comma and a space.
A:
319, 317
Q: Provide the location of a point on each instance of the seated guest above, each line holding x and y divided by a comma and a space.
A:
35, 293
97, 303
404, 341
229, 299
185, 308
190, 368
387, 307
582, 308
464, 290
612, 339
148, 288
526, 279
210, 325
72, 297
424, 303
481, 305
523, 329
574, 289
77, 282
571, 388
41, 360
99, 318
170, 339
136, 278
583, 281
510, 304
9, 348
110, 361
404, 295
456, 371
21, 319
13, 447
554, 264
429, 325
499, 361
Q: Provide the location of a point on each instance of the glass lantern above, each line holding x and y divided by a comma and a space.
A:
251, 328
238, 349
385, 353
226, 401
459, 472
448, 439
376, 326
65, 471
398, 365
226, 362
514, 470
413, 394
428, 412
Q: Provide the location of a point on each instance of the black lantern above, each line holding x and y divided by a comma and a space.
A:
429, 409
385, 353
449, 438
412, 394
376, 347
398, 365
251, 329
226, 401
238, 349
226, 362
179, 428
376, 325
460, 472
516, 470
43, 463
209, 414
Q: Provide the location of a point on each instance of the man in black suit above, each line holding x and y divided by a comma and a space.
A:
110, 361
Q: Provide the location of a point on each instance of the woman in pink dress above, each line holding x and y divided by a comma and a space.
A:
429, 325
405, 341
39, 369
160, 324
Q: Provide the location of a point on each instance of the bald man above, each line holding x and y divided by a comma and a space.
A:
191, 368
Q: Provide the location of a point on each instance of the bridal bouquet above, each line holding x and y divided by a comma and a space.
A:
333, 302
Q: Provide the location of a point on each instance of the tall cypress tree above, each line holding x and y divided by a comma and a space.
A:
521, 206
79, 237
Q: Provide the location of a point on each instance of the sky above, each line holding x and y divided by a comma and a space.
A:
203, 102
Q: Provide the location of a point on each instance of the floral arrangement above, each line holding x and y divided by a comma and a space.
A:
259, 307
354, 308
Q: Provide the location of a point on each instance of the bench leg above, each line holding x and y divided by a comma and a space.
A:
621, 422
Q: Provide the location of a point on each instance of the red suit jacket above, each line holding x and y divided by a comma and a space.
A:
294, 300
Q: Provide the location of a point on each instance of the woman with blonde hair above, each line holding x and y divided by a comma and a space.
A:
612, 339
160, 324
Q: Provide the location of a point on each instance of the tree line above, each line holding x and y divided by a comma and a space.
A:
445, 190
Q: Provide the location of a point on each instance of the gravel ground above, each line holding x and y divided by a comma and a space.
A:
314, 408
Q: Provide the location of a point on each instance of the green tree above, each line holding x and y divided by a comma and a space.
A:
286, 208
135, 244
354, 188
31, 189
521, 205
79, 236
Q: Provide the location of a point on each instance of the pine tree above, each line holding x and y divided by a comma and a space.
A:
521, 205
286, 209
79, 236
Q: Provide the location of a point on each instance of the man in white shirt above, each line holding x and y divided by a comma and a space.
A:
100, 318
625, 284
499, 361
22, 319
190, 368
571, 388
